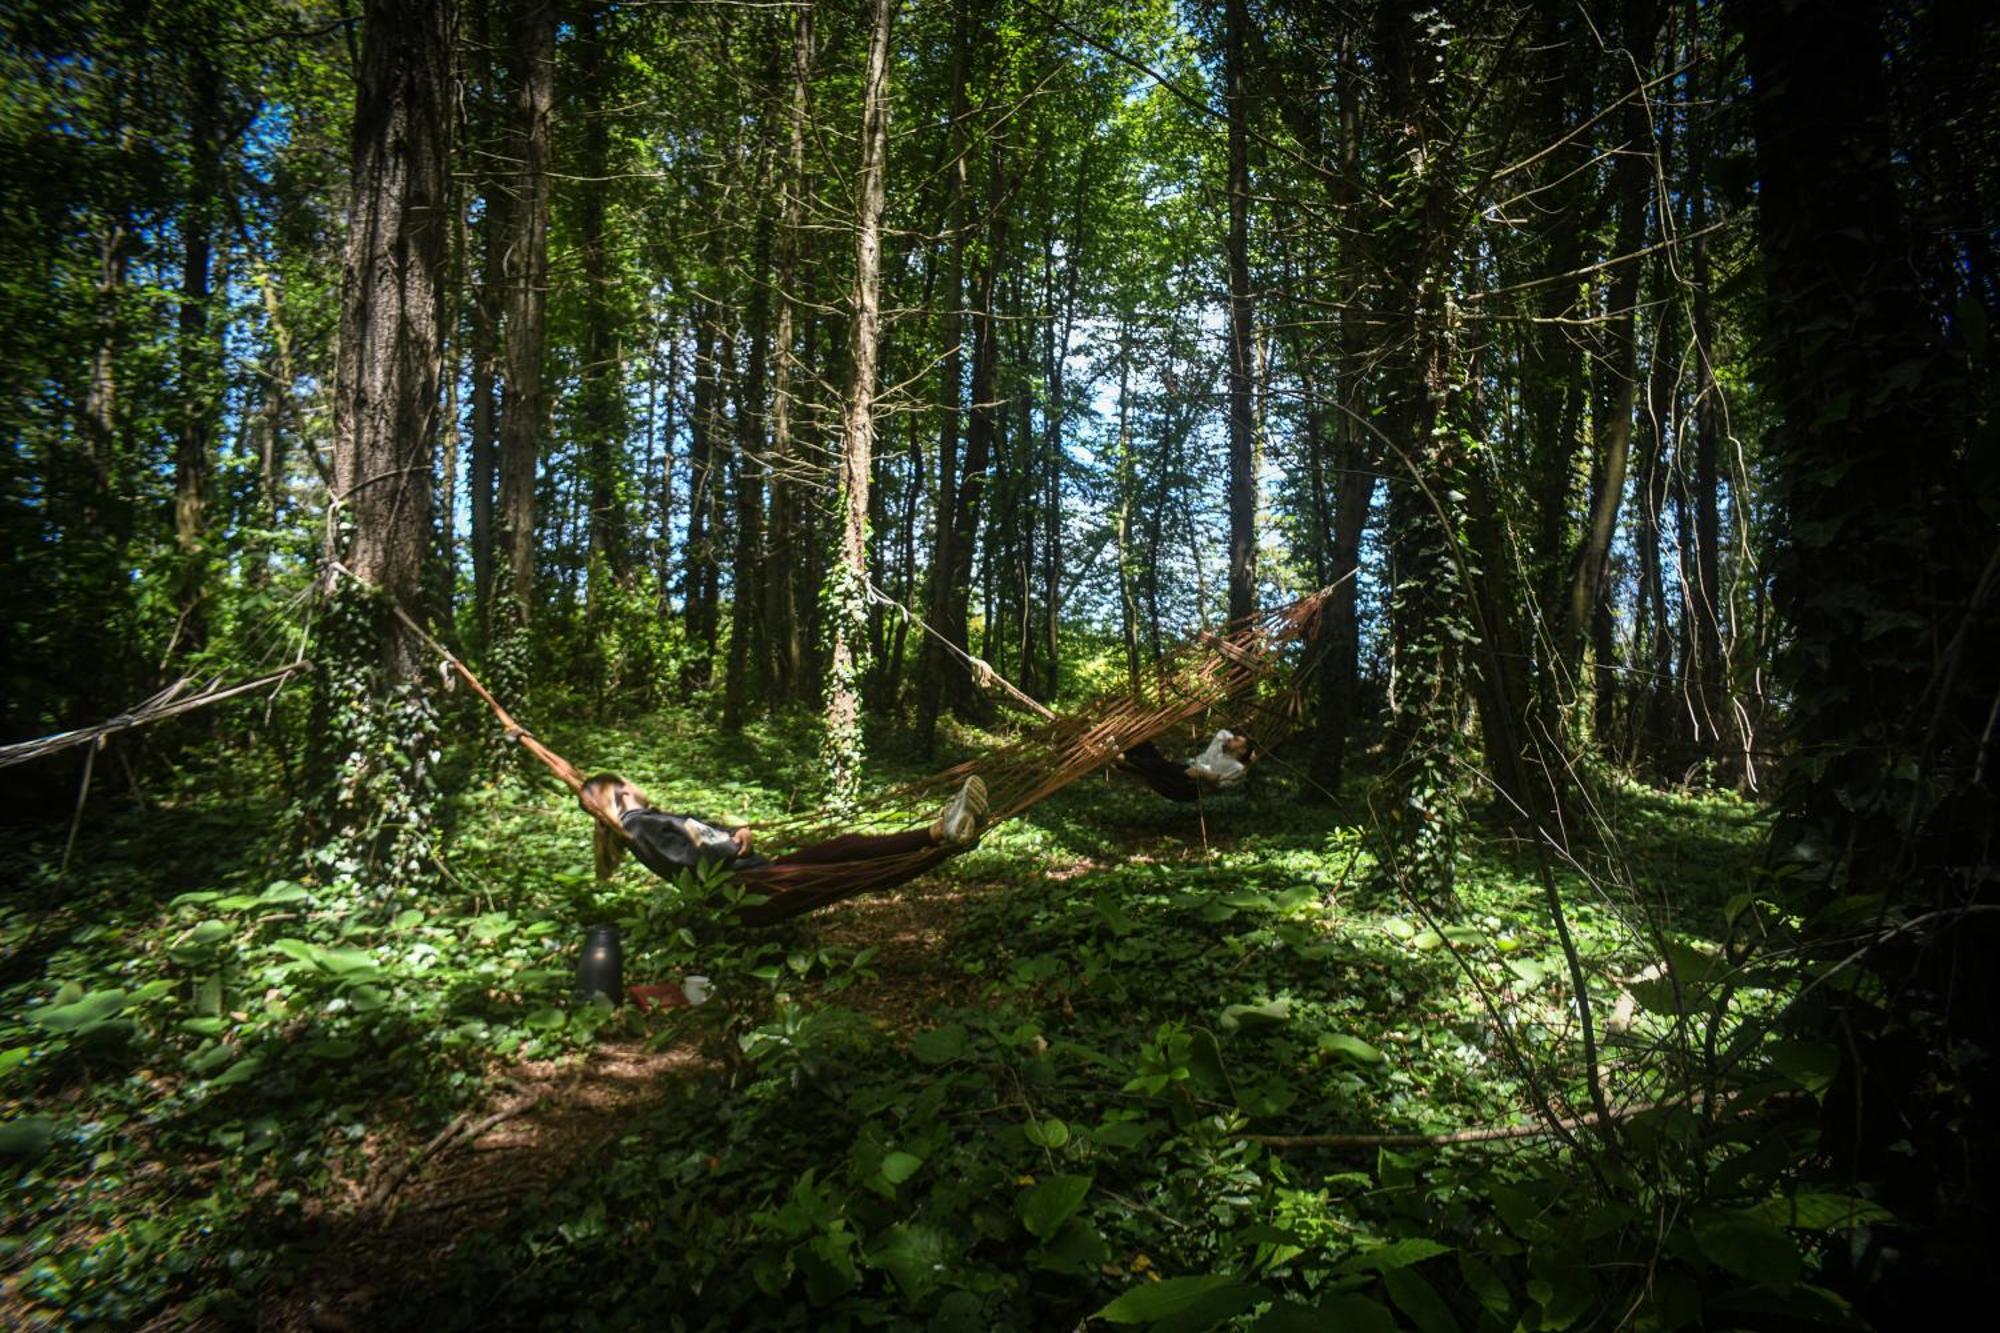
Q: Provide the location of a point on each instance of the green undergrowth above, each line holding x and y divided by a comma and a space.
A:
1049, 1125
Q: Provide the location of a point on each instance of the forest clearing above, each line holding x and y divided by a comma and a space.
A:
987, 665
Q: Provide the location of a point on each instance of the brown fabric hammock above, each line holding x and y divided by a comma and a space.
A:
1205, 672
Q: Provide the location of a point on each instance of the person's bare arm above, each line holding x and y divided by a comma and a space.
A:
742, 837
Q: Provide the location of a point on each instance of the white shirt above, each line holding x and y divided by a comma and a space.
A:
1226, 771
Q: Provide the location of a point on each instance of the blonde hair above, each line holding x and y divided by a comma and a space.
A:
607, 849
608, 845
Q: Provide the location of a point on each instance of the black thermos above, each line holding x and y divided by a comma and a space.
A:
601, 969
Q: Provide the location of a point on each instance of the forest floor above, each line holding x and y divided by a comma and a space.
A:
995, 1098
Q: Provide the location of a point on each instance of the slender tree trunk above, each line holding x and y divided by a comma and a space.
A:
750, 452
701, 451
849, 599
487, 304
1242, 424
601, 395
938, 665
1631, 177
782, 583
1128, 484
197, 352
531, 41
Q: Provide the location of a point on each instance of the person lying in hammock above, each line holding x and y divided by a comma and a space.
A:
1224, 763
792, 884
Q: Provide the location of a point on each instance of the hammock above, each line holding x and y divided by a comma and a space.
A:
1203, 672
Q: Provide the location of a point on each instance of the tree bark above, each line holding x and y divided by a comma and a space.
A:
938, 665
196, 351
1242, 422
784, 625
531, 43
385, 399
845, 669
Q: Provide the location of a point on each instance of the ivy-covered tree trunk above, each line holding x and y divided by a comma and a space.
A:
1887, 574
1428, 604
846, 591
375, 732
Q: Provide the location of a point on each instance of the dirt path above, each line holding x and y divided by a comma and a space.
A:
542, 1118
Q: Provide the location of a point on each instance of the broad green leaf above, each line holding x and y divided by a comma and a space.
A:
1077, 1248
913, 1254
83, 1015
9, 1059
940, 1045
1528, 970
282, 892
1820, 1212
1749, 1247
1171, 1296
1350, 1048
1412, 1293
209, 932
1047, 1205
28, 1136
240, 1072
898, 1167
1269, 1014
1050, 1133
1396, 1254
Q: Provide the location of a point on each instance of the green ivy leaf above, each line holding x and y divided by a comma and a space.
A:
898, 1167
1047, 1205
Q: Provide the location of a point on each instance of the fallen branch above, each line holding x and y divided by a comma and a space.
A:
464, 1129
167, 703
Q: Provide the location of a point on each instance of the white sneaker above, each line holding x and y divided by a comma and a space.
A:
963, 814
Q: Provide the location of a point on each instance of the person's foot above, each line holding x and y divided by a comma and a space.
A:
959, 824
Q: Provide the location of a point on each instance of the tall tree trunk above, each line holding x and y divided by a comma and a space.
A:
1355, 464
1885, 573
702, 431
487, 303
938, 664
1242, 422
601, 395
376, 786
849, 595
1713, 711
1127, 480
197, 352
750, 454
531, 46
782, 583
1630, 179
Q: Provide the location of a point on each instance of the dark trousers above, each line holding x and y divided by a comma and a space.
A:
1162, 774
